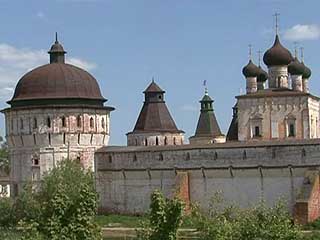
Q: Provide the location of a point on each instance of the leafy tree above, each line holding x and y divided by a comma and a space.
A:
62, 206
4, 156
164, 220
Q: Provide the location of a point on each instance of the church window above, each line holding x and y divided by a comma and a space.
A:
49, 138
49, 122
79, 136
256, 131
161, 157
165, 141
110, 158
64, 138
78, 121
146, 142
157, 141
91, 122
291, 126
291, 130
174, 141
34, 139
35, 123
136, 142
63, 121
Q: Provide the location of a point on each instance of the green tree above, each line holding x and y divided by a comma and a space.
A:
164, 220
4, 156
63, 205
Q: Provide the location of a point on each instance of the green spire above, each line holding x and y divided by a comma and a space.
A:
206, 102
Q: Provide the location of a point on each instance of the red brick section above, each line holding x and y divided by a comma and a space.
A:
307, 207
183, 188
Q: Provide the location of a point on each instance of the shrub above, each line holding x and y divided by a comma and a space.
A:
164, 220
256, 223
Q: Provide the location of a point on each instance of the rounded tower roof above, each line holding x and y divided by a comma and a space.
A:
277, 55
296, 68
306, 72
262, 76
57, 83
250, 70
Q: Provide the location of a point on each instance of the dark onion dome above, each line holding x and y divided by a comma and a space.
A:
57, 83
250, 70
307, 72
262, 76
277, 55
295, 67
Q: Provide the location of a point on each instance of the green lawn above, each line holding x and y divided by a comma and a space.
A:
129, 221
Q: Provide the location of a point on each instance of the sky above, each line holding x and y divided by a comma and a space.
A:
181, 43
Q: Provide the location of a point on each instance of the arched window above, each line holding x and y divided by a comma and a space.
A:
91, 122
157, 141
35, 123
79, 136
165, 141
146, 142
49, 122
78, 121
63, 121
174, 141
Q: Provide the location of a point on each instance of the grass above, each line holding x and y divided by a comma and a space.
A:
130, 221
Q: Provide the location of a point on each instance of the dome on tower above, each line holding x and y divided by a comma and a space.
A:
277, 55
250, 70
57, 83
306, 72
296, 67
262, 76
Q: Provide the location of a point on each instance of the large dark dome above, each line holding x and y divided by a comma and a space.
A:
250, 70
57, 83
296, 67
277, 55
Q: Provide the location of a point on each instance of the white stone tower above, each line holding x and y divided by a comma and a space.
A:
57, 112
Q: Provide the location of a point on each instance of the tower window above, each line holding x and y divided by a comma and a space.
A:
35, 123
291, 130
146, 142
78, 121
35, 162
63, 121
165, 141
157, 141
91, 122
49, 122
257, 131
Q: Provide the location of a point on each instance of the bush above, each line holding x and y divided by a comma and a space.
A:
7, 218
257, 223
164, 220
62, 207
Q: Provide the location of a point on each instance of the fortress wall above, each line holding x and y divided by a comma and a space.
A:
126, 177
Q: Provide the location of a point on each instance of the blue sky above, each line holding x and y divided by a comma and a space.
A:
124, 43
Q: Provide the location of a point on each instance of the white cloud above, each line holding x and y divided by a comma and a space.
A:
303, 32
40, 14
14, 62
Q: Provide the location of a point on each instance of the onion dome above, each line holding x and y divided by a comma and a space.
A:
57, 83
277, 55
262, 76
250, 70
296, 67
307, 72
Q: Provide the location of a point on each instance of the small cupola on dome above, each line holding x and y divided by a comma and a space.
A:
277, 55
262, 76
307, 71
296, 68
250, 70
56, 52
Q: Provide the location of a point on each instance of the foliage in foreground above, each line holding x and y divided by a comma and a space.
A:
63, 207
257, 223
164, 220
